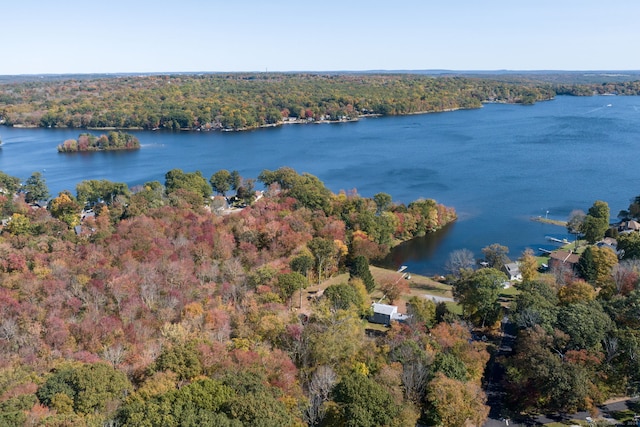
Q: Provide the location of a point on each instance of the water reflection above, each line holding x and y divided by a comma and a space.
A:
417, 250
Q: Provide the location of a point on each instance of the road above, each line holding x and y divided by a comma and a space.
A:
606, 411
495, 393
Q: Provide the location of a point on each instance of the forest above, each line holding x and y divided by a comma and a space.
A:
156, 306
237, 101
177, 304
245, 101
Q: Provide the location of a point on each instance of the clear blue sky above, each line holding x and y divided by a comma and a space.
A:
73, 36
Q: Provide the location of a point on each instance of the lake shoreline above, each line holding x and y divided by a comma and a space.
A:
489, 163
278, 124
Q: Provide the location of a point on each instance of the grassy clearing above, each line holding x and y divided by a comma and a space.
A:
419, 286
375, 326
454, 308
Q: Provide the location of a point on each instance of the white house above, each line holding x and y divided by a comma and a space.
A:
513, 271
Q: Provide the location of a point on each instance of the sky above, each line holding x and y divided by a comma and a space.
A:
139, 36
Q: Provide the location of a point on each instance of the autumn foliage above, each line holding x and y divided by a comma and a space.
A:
158, 309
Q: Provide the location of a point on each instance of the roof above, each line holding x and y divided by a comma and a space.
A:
565, 257
632, 225
389, 310
512, 268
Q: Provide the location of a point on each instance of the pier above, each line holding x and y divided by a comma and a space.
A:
553, 239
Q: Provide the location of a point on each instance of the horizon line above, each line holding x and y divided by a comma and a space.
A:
382, 70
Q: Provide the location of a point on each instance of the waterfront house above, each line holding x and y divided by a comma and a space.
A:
558, 259
512, 270
629, 226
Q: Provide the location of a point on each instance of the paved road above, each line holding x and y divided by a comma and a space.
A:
495, 394
606, 412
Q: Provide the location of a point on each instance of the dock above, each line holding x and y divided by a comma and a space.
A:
553, 239
545, 251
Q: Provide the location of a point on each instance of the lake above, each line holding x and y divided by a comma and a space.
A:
498, 166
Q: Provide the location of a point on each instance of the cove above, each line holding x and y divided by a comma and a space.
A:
498, 166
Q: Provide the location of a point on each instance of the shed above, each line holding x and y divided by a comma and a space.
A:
383, 313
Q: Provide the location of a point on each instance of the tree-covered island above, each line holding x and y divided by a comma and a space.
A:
89, 142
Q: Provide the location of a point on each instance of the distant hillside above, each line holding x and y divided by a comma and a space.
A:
236, 101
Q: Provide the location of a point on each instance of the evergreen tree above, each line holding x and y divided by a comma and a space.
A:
359, 268
35, 188
587, 266
596, 222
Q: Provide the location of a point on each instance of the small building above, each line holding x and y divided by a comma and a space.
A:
87, 213
383, 313
513, 271
610, 243
629, 226
563, 258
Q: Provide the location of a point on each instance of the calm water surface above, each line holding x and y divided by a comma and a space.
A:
498, 166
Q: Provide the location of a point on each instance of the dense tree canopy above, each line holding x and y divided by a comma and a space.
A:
89, 142
364, 403
157, 311
241, 101
192, 182
94, 191
35, 188
478, 293
9, 185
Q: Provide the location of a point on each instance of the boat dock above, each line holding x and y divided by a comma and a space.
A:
553, 239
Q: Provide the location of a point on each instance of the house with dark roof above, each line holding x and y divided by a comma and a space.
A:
610, 243
384, 314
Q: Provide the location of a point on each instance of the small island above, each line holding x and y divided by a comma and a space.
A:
87, 142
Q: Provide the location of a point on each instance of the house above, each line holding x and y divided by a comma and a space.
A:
513, 271
560, 258
87, 213
611, 243
383, 313
629, 226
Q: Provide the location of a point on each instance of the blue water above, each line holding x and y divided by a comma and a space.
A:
498, 166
